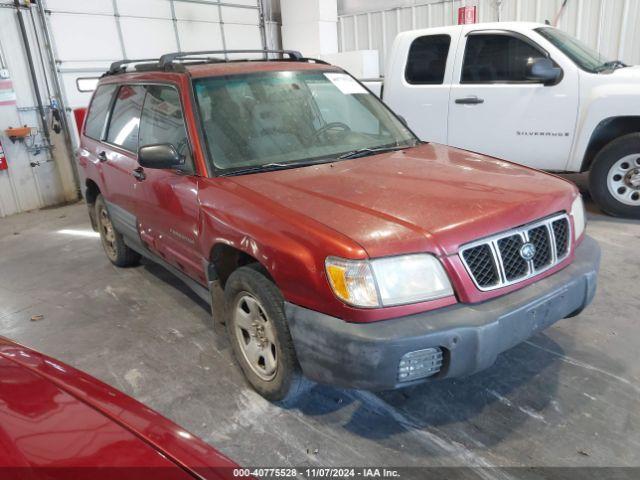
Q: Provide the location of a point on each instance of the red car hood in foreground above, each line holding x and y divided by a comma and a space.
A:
396, 202
57, 422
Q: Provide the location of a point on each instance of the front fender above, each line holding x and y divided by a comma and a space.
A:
603, 103
291, 247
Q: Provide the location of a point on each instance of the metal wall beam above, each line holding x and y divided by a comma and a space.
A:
44, 124
175, 24
263, 27
116, 14
59, 93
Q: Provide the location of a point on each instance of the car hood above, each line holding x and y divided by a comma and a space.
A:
55, 420
631, 73
427, 198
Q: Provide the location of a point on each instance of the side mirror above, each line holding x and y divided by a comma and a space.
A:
543, 70
162, 155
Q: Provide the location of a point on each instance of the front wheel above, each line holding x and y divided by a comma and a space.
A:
614, 180
259, 335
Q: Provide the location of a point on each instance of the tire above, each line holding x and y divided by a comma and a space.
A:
112, 242
259, 335
614, 180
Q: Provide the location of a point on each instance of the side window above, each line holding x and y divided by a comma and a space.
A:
94, 125
162, 120
427, 60
125, 118
497, 58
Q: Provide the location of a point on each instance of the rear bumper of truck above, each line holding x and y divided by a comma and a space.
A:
468, 337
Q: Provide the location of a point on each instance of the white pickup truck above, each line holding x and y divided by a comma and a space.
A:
524, 92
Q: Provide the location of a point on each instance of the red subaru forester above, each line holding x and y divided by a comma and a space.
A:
332, 243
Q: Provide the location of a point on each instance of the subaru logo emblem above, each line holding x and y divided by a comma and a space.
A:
528, 251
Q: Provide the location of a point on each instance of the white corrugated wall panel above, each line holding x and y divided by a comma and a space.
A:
611, 26
86, 6
242, 37
145, 8
196, 12
81, 37
200, 36
147, 37
249, 3
244, 16
630, 35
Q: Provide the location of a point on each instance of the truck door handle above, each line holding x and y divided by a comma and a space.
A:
138, 174
470, 100
102, 156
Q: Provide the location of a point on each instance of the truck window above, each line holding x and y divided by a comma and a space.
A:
490, 58
94, 125
427, 60
162, 120
125, 118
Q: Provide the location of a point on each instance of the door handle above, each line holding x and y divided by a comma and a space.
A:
138, 174
102, 156
470, 100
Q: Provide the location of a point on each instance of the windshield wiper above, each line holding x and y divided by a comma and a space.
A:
364, 152
612, 65
267, 167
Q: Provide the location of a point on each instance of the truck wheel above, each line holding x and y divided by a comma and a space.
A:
614, 181
112, 242
259, 335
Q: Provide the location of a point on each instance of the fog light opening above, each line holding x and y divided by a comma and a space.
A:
419, 364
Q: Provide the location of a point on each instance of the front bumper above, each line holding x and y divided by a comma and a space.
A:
366, 356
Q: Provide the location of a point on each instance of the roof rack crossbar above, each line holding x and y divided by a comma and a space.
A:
169, 58
116, 67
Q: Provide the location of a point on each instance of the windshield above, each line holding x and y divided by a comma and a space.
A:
584, 56
290, 118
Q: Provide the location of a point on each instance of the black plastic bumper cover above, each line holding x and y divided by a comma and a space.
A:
366, 356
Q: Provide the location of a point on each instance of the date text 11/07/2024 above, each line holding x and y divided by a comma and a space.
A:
319, 472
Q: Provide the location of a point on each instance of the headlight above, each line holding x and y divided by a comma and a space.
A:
578, 214
352, 281
388, 281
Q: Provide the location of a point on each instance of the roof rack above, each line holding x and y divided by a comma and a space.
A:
169, 58
117, 67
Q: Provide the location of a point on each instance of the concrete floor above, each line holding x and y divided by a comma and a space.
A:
567, 397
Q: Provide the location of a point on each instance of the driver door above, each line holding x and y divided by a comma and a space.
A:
495, 110
169, 213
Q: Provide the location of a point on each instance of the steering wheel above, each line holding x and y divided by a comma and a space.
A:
331, 126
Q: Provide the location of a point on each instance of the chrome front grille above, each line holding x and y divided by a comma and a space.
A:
513, 264
497, 261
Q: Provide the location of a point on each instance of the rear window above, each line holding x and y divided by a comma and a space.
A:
428, 60
125, 118
94, 125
